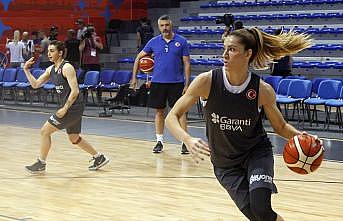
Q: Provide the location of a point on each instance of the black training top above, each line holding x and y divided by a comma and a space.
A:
233, 121
63, 89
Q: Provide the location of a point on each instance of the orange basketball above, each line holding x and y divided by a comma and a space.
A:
146, 64
303, 154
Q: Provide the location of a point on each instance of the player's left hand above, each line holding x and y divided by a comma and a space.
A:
61, 112
315, 137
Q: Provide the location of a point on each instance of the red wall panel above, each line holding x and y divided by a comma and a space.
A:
33, 15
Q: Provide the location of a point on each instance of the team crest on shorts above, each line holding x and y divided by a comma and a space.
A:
251, 94
177, 44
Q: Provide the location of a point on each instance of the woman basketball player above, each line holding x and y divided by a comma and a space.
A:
69, 114
241, 152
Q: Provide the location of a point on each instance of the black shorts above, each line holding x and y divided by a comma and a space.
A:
257, 172
71, 121
160, 93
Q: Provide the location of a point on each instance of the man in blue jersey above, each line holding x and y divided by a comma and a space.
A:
171, 74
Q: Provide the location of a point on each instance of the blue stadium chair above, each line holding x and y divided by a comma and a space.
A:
334, 103
91, 80
339, 65
106, 83
313, 64
37, 72
282, 89
334, 15
181, 32
22, 85
312, 30
327, 30
126, 60
122, 77
315, 84
269, 30
35, 69
319, 15
334, 47
273, 81
48, 89
298, 64
328, 89
318, 47
299, 30
265, 16
194, 62
90, 83
338, 31
296, 77
298, 91
1, 75
9, 80
251, 17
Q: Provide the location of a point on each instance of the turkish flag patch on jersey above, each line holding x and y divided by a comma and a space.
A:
251, 94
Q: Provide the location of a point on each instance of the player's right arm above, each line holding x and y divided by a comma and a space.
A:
135, 69
36, 83
200, 87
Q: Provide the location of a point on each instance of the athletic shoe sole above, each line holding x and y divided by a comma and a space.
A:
35, 172
101, 165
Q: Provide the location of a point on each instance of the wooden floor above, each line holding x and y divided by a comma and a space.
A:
138, 185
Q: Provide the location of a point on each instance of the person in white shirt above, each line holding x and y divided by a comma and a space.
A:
29, 47
82, 28
15, 48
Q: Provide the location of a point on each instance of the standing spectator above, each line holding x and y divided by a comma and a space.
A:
53, 33
81, 28
145, 32
29, 47
282, 67
89, 50
170, 78
35, 35
16, 49
43, 57
72, 52
36, 38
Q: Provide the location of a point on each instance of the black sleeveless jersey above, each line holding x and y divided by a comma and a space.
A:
63, 89
233, 121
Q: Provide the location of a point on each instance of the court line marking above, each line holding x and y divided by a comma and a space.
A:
13, 218
135, 121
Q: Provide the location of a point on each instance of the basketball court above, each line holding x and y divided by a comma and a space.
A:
140, 185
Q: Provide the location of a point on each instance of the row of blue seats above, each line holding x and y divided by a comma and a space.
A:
328, 47
268, 16
296, 64
219, 62
268, 3
220, 31
298, 92
275, 82
317, 64
106, 79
